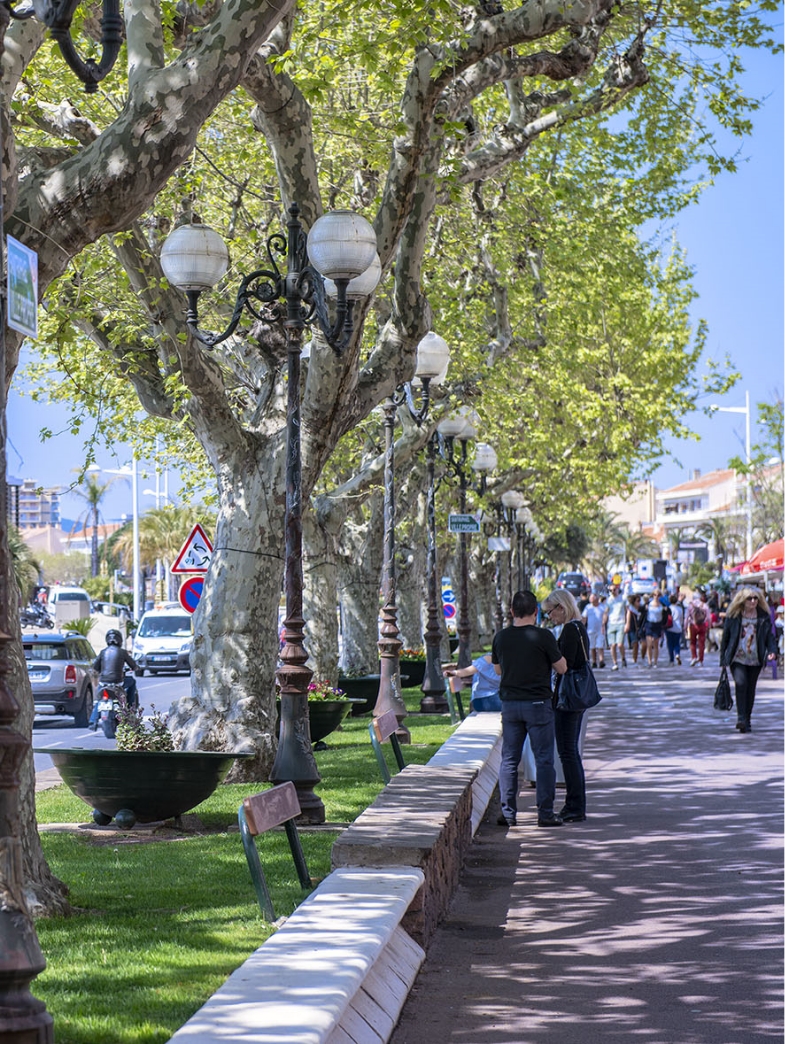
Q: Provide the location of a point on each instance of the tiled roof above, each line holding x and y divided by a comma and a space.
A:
711, 478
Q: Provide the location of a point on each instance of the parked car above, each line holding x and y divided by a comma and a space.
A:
162, 642
575, 583
60, 668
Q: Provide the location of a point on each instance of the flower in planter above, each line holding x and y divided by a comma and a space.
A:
412, 654
321, 691
133, 735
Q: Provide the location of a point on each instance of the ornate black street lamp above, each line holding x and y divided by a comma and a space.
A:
340, 246
460, 427
433, 357
433, 686
512, 500
23, 1019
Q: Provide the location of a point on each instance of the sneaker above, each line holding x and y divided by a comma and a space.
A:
602, 664
550, 821
678, 660
624, 663
615, 667
693, 662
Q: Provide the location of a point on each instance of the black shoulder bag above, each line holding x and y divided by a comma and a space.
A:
723, 701
577, 688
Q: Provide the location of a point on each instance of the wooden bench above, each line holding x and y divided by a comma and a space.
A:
262, 812
382, 729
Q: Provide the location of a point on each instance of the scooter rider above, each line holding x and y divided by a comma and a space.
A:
110, 664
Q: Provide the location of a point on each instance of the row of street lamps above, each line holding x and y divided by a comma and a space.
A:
336, 259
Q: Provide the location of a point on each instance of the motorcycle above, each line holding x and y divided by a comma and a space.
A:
111, 700
35, 616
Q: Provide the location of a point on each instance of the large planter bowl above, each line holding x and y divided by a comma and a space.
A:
152, 785
364, 689
324, 716
414, 670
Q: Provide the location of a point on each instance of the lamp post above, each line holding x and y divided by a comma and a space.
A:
523, 519
23, 1019
433, 686
460, 427
433, 357
512, 501
745, 409
492, 527
340, 246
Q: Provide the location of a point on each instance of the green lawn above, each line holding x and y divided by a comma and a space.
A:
158, 926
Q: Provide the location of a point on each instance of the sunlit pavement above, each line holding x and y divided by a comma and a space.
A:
659, 919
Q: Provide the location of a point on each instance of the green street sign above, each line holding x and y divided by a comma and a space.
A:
463, 524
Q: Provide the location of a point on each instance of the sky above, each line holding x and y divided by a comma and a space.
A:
734, 240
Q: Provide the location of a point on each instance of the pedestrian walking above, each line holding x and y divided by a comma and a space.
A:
653, 629
617, 617
561, 608
697, 621
747, 643
524, 656
594, 617
673, 628
633, 625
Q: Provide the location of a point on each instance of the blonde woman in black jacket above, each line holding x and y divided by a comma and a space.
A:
747, 642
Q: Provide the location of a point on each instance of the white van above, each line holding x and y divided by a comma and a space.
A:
162, 641
68, 603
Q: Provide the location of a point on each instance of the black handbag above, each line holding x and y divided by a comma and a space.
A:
578, 688
723, 701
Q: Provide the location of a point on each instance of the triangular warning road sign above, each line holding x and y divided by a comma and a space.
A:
195, 554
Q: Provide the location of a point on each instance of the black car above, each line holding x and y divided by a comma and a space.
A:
60, 668
575, 583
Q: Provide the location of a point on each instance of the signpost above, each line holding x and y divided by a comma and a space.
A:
463, 524
195, 553
190, 592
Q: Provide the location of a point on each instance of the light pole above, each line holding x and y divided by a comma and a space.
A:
433, 686
745, 409
23, 1019
523, 518
512, 502
460, 427
340, 246
492, 527
433, 357
131, 473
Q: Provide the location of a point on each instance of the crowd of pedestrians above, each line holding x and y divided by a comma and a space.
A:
518, 675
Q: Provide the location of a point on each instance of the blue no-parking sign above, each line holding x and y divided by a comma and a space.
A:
190, 592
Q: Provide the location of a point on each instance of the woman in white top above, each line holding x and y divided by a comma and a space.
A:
654, 614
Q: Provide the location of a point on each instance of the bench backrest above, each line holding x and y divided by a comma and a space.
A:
262, 812
381, 729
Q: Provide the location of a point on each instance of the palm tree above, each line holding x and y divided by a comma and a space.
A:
93, 492
631, 544
725, 534
26, 568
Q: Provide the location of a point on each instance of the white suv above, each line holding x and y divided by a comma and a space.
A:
162, 641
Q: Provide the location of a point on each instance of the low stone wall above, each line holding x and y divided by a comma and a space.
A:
423, 818
426, 817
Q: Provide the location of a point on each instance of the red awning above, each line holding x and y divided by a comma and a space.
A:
769, 557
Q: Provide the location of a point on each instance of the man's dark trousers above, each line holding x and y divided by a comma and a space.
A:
519, 718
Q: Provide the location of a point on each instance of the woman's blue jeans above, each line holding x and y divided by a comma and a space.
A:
567, 730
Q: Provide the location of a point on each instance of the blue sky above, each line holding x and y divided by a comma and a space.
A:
734, 241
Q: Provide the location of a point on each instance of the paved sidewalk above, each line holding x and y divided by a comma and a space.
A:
659, 920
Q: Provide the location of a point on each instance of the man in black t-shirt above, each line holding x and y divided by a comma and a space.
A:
524, 655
